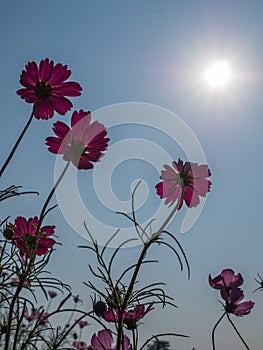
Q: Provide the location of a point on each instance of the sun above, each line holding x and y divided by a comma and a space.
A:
218, 74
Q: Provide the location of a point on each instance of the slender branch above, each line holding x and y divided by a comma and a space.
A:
170, 216
129, 291
241, 338
43, 211
147, 244
18, 140
213, 331
162, 335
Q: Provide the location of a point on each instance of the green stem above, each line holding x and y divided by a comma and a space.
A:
138, 266
241, 338
43, 211
11, 310
213, 331
170, 216
18, 140
129, 291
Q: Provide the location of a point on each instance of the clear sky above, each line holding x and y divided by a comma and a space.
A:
152, 52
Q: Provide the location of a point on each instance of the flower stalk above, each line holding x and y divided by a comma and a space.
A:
18, 140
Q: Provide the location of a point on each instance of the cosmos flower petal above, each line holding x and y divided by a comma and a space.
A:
60, 104
201, 186
69, 88
60, 129
45, 69
217, 282
101, 341
78, 115
44, 110
59, 75
243, 308
54, 145
30, 75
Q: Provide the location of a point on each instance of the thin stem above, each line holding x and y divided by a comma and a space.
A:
213, 331
43, 211
241, 338
170, 216
138, 266
19, 140
129, 291
10, 315
19, 324
134, 338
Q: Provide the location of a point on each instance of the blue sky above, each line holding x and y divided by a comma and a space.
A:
152, 52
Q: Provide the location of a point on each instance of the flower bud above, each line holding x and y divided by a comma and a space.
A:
8, 233
99, 308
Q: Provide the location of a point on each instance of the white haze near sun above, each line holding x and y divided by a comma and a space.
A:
218, 74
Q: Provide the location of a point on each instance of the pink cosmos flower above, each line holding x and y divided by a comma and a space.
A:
228, 283
233, 298
83, 324
34, 315
52, 294
131, 317
189, 177
15, 281
80, 345
37, 314
24, 236
226, 278
103, 341
83, 144
46, 87
110, 315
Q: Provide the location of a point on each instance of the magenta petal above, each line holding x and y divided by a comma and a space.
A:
243, 308
59, 74
68, 89
102, 341
168, 174
60, 129
227, 275
201, 186
60, 104
54, 145
178, 166
77, 116
44, 110
174, 196
110, 315
27, 95
83, 163
31, 74
45, 69
48, 230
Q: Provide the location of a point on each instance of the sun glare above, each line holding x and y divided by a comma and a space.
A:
218, 74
